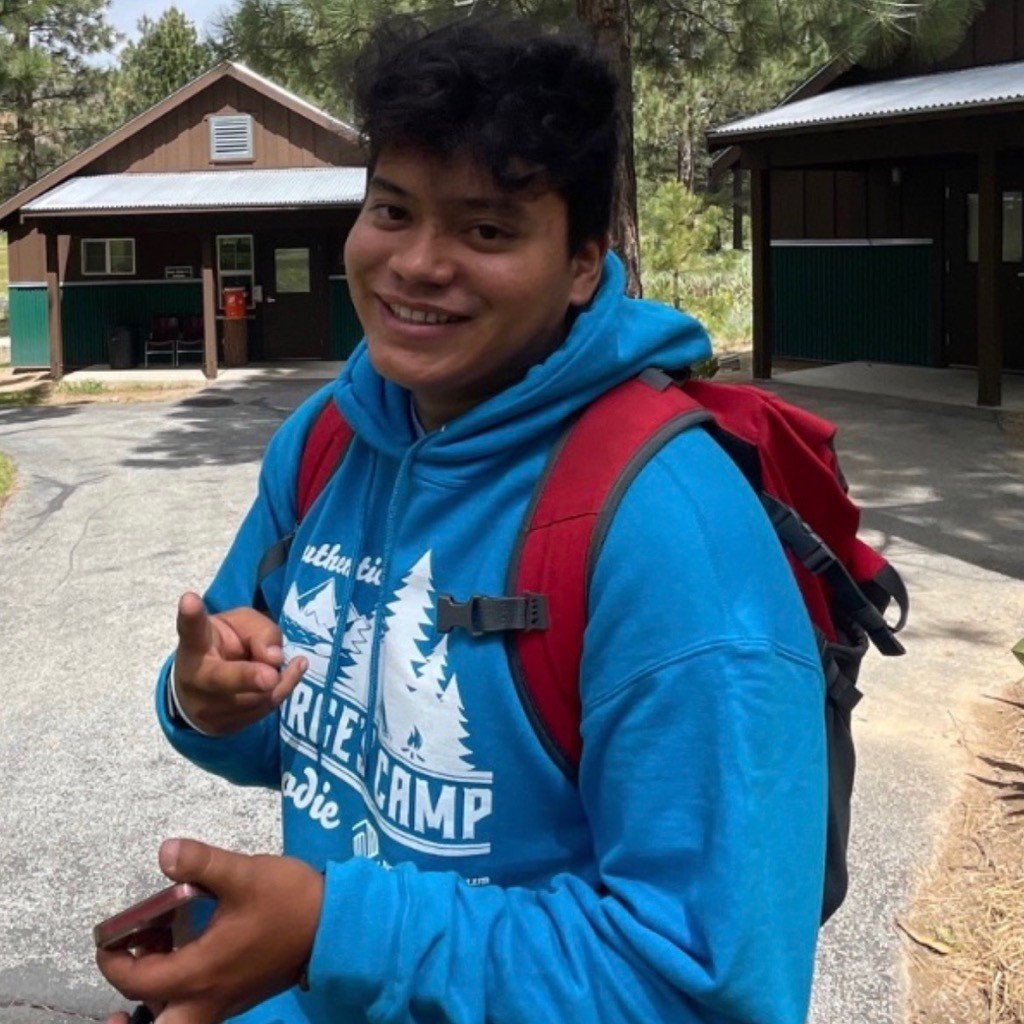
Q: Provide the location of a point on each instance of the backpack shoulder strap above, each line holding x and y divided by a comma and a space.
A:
322, 453
325, 448
573, 505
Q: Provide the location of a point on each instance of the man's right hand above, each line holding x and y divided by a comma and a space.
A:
227, 669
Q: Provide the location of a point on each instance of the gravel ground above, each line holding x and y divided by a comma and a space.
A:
119, 508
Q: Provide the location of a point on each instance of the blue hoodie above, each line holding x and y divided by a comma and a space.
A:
467, 879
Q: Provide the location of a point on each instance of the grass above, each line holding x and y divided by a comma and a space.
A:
6, 478
45, 392
716, 289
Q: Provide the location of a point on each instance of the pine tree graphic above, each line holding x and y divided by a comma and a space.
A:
422, 718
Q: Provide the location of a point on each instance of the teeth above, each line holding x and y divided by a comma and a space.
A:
418, 316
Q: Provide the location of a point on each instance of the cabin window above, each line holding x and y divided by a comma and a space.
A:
291, 270
235, 265
230, 137
103, 257
1013, 227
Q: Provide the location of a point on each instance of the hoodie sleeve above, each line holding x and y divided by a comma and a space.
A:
703, 778
249, 757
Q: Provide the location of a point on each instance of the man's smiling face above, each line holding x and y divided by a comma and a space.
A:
460, 285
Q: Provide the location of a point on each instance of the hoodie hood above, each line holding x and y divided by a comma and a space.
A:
612, 339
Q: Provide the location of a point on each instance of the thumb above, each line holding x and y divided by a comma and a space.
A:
194, 630
185, 1013
211, 868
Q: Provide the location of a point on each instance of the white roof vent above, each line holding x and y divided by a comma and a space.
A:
231, 137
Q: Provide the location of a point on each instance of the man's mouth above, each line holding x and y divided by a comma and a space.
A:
408, 315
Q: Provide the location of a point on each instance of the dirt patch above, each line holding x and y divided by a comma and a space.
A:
28, 389
965, 932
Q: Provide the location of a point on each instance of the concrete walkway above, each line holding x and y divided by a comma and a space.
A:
949, 387
120, 508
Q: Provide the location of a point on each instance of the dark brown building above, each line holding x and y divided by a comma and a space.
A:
888, 210
231, 181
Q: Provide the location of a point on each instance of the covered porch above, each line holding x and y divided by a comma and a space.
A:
148, 256
891, 212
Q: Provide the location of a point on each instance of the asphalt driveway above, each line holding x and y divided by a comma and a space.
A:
120, 508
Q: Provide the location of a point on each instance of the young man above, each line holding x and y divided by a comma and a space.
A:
440, 864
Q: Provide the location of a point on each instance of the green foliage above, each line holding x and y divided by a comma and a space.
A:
6, 477
52, 98
82, 387
684, 266
167, 55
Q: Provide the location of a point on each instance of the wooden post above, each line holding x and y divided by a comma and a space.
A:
761, 244
990, 255
53, 305
209, 310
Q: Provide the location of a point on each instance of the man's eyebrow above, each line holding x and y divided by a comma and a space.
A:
498, 204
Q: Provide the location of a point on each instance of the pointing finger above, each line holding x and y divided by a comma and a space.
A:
194, 631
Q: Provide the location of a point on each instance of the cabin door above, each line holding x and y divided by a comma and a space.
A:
294, 280
960, 291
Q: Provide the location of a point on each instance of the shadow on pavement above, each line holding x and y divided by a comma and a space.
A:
226, 426
947, 482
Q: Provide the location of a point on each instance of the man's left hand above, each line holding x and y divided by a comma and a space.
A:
257, 944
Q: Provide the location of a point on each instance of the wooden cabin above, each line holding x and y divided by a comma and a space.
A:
230, 182
888, 210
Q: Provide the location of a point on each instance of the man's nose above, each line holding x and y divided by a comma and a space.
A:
423, 256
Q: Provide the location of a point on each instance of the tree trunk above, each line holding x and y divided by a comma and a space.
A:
25, 162
737, 208
610, 23
685, 169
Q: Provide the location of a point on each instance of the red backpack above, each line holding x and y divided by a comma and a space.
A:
787, 456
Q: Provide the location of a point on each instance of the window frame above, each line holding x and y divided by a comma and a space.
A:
250, 273
1010, 207
107, 271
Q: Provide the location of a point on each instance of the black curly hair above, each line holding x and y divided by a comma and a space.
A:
536, 108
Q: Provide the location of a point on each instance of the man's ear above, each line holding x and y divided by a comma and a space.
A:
586, 270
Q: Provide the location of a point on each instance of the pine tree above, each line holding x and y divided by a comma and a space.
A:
167, 55
52, 99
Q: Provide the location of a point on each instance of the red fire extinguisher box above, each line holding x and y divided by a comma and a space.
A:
234, 304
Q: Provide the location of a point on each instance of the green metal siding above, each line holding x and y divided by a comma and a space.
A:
90, 313
30, 331
854, 302
345, 329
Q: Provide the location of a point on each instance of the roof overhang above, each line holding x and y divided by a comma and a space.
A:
227, 69
201, 192
996, 88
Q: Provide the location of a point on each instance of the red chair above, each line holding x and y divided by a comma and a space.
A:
192, 338
163, 339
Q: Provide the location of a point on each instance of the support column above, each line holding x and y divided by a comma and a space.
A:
761, 244
53, 305
990, 254
209, 310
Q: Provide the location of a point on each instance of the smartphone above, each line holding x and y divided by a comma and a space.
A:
181, 910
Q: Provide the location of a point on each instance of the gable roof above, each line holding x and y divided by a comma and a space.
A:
226, 69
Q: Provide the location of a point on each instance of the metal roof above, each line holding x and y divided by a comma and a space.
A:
989, 85
239, 188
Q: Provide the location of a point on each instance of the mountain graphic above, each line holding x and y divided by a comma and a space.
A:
315, 611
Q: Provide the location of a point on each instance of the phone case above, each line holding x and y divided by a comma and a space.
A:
182, 909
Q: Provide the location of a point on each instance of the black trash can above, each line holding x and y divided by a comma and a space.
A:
119, 349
